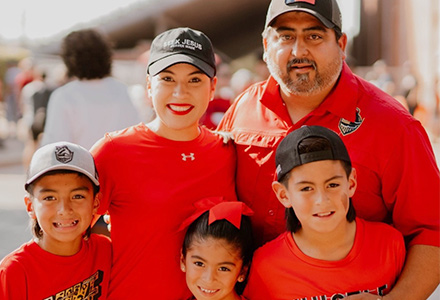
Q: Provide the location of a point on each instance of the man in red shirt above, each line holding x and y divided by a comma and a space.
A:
310, 84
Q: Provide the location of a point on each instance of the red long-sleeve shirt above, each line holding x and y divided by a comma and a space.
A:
398, 178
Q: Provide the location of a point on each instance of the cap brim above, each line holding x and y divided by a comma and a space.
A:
166, 62
63, 167
323, 20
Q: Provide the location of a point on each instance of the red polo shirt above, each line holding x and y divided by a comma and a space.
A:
398, 178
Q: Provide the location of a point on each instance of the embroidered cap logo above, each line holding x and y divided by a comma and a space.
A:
63, 154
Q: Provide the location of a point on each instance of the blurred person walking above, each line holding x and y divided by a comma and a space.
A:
35, 98
11, 97
94, 102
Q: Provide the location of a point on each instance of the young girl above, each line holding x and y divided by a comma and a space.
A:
151, 173
217, 250
63, 261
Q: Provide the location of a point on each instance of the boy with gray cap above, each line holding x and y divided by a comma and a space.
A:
63, 258
326, 253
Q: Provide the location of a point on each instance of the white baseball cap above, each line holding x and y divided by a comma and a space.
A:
62, 156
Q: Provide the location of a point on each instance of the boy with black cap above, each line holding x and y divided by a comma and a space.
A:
152, 173
327, 253
64, 260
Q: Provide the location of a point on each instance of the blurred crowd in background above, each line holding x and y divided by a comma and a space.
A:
26, 85
28, 78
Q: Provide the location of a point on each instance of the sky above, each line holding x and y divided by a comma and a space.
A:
39, 19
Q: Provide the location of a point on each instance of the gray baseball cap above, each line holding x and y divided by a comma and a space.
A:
62, 156
287, 155
327, 11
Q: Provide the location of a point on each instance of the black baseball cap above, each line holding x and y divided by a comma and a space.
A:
327, 11
182, 45
287, 156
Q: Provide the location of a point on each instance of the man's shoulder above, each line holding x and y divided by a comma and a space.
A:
250, 109
253, 94
375, 104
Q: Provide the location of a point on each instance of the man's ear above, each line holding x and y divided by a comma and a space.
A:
342, 43
281, 193
182, 262
29, 206
264, 48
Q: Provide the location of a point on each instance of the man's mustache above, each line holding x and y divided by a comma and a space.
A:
301, 61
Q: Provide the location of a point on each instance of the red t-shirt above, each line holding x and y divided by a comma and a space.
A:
149, 185
280, 270
398, 178
31, 273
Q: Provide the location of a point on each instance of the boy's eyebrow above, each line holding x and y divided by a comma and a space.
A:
327, 180
81, 188
50, 190
334, 177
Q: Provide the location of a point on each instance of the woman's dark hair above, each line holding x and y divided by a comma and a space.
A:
308, 145
87, 54
36, 229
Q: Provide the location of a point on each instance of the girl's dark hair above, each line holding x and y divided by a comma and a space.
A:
87, 54
241, 239
36, 229
308, 145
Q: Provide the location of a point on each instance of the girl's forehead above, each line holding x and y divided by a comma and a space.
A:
210, 242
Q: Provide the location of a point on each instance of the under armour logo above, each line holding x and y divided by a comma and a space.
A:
186, 157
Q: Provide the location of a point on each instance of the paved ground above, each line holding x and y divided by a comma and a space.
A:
14, 229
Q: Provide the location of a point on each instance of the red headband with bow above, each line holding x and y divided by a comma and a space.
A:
219, 209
